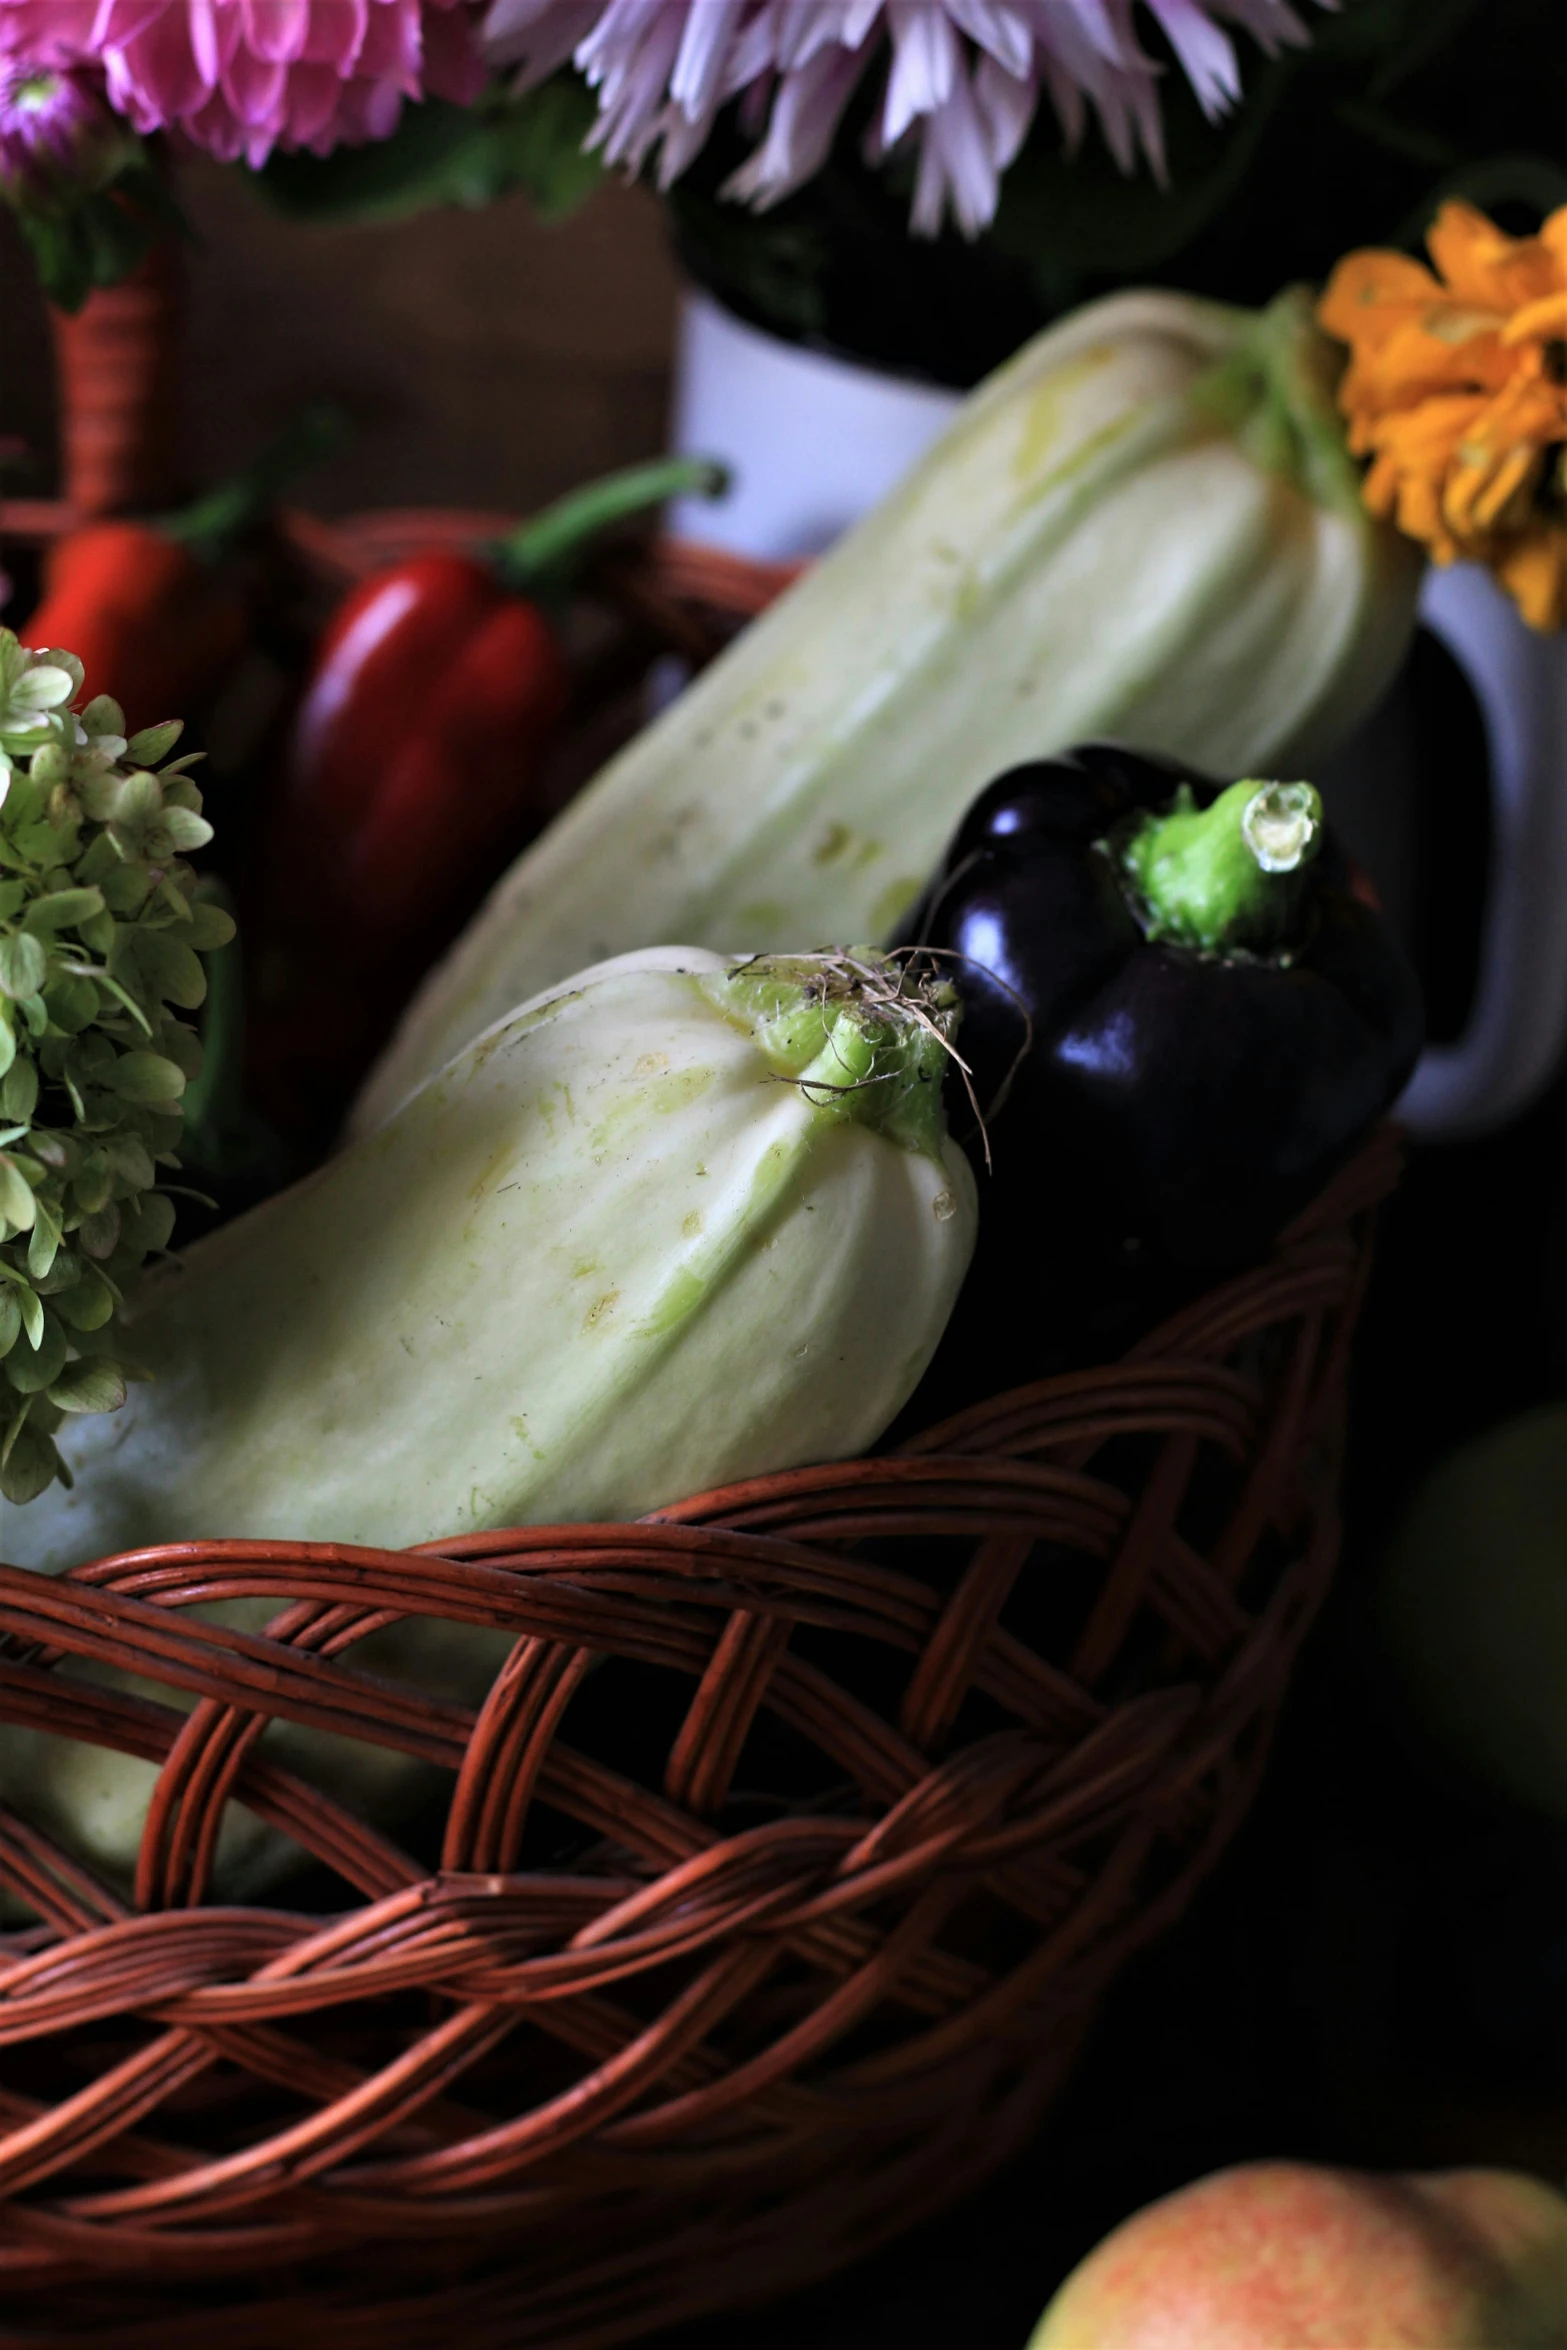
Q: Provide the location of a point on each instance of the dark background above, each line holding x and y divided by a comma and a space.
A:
484, 358
1377, 1974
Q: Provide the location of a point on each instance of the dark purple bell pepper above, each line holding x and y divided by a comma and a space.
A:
1219, 1012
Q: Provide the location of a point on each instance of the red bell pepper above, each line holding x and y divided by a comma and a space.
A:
145, 606
436, 687
413, 771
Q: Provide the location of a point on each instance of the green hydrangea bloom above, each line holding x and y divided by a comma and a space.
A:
99, 938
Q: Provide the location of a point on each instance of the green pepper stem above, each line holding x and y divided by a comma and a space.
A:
214, 523
1225, 876
542, 556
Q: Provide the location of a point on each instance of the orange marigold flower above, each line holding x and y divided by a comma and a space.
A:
1456, 389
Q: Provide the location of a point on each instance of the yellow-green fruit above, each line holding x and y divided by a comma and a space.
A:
1473, 1607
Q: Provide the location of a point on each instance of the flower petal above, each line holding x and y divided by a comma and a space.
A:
1207, 56
956, 166
926, 63
311, 96
275, 31
1545, 320
254, 88
1483, 264
998, 29
162, 64
705, 42
801, 127
1534, 572
537, 35
1007, 105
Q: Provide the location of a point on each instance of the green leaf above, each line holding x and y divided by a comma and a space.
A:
445, 154
62, 1275
170, 969
146, 1077
44, 1241
64, 909
93, 1385
99, 860
103, 715
56, 1150
93, 1184
87, 1305
73, 1004
19, 1091
18, 1204
183, 1047
162, 1131
10, 1318
98, 238
24, 965
154, 743
128, 1155
127, 889
29, 1368
28, 1300
43, 687
133, 799
98, 1235
122, 995
30, 1466
41, 843
185, 830
209, 927
152, 1226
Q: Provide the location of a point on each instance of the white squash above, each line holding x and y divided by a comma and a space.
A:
1143, 526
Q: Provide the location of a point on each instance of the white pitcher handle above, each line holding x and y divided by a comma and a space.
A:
1518, 1026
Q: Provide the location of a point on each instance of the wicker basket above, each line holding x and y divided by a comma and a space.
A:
781, 1872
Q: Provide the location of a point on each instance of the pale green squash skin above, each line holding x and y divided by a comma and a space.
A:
607, 1258
1099, 545
565, 1282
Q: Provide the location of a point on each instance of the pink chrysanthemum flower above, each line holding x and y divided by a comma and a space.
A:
964, 77
240, 77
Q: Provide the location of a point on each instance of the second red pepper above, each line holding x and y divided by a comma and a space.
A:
148, 607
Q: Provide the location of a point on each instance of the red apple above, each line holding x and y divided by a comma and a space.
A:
1281, 2256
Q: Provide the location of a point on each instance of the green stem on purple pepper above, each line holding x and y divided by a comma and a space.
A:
1224, 877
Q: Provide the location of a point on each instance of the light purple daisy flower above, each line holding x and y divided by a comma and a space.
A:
963, 78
